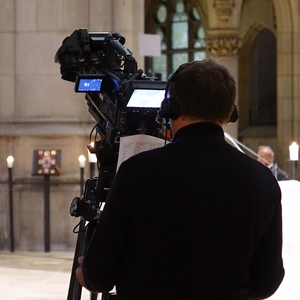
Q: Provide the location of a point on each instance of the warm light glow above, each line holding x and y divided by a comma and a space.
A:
10, 161
294, 151
81, 159
92, 156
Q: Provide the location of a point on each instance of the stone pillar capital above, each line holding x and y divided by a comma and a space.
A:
224, 44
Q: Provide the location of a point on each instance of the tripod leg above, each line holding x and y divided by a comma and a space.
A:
94, 296
105, 296
75, 288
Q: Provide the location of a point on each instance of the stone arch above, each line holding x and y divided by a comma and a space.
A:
245, 87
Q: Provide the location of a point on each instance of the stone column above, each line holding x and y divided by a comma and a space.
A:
128, 19
288, 78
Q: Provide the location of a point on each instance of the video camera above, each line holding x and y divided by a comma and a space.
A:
121, 98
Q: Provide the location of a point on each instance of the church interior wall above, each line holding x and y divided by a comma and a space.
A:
40, 110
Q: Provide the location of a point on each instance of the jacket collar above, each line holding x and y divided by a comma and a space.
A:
200, 130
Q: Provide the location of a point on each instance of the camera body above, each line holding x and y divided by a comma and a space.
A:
122, 99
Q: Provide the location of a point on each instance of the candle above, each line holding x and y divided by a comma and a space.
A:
81, 159
10, 162
294, 151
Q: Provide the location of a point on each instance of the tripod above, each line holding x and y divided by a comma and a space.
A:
75, 288
88, 207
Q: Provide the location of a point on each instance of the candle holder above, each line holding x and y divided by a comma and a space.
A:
81, 160
10, 163
294, 167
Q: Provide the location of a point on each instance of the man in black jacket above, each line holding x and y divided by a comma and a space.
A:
196, 219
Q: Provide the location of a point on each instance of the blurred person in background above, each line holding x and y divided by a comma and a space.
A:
266, 156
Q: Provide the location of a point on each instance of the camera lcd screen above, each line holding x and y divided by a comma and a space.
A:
146, 98
86, 85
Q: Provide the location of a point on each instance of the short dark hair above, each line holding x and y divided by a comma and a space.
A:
204, 89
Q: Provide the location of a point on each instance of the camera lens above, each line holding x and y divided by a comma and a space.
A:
69, 67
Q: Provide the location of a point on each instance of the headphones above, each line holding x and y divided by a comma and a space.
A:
234, 115
169, 108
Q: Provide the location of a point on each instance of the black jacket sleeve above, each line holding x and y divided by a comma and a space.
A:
266, 269
105, 254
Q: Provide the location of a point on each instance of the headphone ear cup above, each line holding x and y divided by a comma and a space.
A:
169, 108
234, 115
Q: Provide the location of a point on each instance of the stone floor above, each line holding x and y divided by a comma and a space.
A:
36, 276
290, 287
43, 276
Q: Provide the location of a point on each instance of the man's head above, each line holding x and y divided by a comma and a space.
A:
203, 90
265, 155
